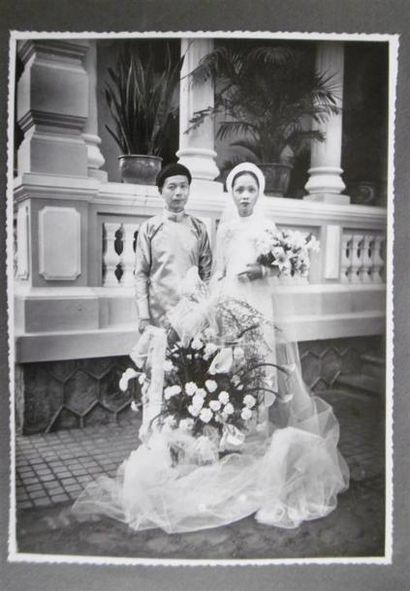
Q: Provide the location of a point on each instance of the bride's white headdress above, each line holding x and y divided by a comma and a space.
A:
244, 167
230, 212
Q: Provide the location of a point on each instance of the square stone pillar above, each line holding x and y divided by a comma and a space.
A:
52, 107
92, 139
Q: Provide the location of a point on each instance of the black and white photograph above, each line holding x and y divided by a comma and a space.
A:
200, 265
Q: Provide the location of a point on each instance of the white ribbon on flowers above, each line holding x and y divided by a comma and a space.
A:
151, 349
232, 438
191, 450
195, 309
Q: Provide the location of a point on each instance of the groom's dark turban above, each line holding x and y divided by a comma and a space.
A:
173, 169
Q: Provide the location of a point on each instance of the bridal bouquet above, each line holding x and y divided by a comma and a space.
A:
287, 250
211, 393
211, 390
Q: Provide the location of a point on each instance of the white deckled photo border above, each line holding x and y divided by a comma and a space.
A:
393, 41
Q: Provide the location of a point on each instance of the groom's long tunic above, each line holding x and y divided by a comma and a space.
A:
167, 246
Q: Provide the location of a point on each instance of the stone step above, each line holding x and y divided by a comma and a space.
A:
361, 383
374, 359
373, 366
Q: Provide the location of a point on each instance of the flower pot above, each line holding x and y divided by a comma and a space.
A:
277, 178
140, 170
364, 193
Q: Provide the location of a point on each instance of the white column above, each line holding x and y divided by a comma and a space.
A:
95, 158
52, 107
325, 183
196, 148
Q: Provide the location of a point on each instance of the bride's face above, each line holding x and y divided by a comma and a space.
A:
245, 192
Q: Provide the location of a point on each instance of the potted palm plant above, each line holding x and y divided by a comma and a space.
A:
139, 95
268, 97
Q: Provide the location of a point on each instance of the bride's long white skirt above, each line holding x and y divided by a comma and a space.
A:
289, 478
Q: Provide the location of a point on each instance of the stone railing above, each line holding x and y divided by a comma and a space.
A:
75, 300
363, 257
119, 243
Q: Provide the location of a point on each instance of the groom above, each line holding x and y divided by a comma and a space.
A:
168, 245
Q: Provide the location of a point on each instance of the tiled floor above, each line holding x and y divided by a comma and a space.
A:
54, 468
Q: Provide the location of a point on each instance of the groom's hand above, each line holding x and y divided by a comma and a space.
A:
253, 271
143, 323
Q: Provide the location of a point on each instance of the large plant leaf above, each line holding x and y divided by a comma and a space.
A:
269, 92
140, 99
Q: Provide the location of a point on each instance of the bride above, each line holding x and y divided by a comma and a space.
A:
284, 467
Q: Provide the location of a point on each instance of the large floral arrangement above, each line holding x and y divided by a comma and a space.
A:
209, 385
286, 250
214, 388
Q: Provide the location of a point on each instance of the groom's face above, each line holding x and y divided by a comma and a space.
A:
175, 192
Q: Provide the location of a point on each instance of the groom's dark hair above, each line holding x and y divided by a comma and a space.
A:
173, 169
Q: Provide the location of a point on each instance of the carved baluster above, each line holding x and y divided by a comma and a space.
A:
346, 263
377, 260
357, 251
110, 256
128, 254
367, 251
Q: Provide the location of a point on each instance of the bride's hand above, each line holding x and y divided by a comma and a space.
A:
253, 271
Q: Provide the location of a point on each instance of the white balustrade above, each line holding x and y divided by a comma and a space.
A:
346, 258
128, 254
362, 260
356, 260
111, 259
118, 267
366, 248
362, 257
377, 267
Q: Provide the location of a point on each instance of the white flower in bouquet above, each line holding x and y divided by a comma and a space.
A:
211, 385
285, 268
209, 350
313, 243
169, 423
223, 397
134, 406
201, 392
215, 405
171, 391
222, 362
296, 240
186, 424
238, 353
193, 411
190, 388
197, 401
281, 259
206, 415
229, 409
249, 401
246, 413
126, 377
168, 365
197, 343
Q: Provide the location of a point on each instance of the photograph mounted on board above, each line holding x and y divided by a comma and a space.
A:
198, 281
